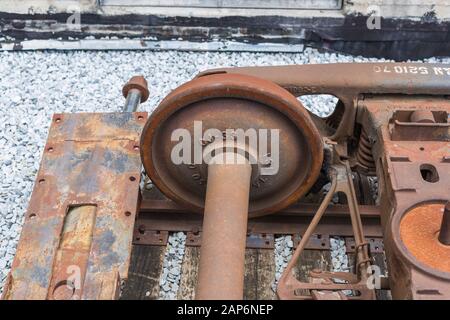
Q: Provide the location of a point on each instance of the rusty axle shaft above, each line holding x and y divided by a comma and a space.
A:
221, 270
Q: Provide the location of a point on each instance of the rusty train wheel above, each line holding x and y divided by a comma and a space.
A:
225, 101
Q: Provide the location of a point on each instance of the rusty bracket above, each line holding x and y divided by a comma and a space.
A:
375, 245
317, 241
150, 237
194, 239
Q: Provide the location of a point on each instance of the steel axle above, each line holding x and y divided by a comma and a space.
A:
221, 270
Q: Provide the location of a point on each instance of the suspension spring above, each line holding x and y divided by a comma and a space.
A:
364, 153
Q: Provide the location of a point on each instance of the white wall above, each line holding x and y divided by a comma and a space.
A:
388, 8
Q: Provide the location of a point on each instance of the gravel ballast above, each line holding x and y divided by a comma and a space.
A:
34, 85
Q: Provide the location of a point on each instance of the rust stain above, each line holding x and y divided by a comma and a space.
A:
419, 231
90, 161
233, 101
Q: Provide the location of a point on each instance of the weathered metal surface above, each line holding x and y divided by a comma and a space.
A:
76, 240
391, 120
194, 239
160, 216
233, 102
234, 191
414, 180
136, 83
221, 267
348, 82
302, 209
135, 91
419, 231
73, 251
444, 232
260, 241
375, 245
150, 237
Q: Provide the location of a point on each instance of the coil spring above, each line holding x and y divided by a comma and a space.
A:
364, 153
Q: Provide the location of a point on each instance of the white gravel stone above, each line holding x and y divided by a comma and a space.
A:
34, 85
171, 274
3, 263
339, 258
283, 254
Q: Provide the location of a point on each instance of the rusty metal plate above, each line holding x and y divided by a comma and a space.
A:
150, 237
158, 217
419, 230
76, 240
317, 241
254, 240
375, 245
194, 239
166, 215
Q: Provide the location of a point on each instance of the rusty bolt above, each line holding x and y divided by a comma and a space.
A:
139, 83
